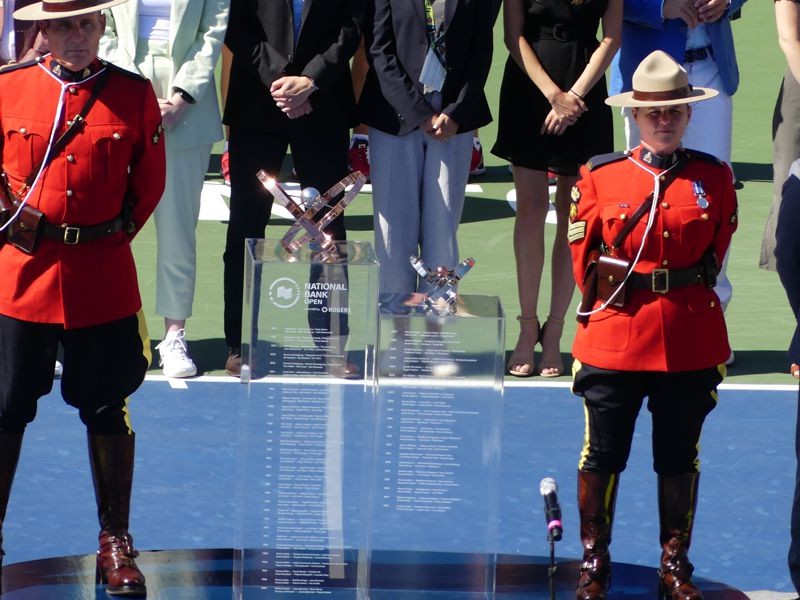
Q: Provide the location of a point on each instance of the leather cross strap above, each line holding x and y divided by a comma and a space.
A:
631, 223
72, 130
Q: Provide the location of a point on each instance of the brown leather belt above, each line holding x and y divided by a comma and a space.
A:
661, 281
74, 234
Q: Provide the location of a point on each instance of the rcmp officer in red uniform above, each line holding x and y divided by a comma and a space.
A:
83, 166
650, 323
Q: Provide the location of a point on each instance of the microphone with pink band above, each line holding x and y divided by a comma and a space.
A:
552, 511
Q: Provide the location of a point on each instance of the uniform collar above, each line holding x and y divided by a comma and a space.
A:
657, 160
70, 76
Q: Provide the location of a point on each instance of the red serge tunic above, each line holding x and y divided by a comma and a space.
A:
684, 328
118, 153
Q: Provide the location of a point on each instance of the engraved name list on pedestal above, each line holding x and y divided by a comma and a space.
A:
306, 423
437, 436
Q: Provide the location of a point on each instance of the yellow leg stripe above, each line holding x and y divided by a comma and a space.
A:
585, 449
576, 366
144, 336
127, 414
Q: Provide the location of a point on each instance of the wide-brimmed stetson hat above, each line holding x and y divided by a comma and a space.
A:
58, 9
660, 81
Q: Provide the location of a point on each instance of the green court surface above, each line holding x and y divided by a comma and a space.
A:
759, 319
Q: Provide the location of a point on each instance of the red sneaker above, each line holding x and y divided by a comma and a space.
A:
358, 155
225, 168
476, 164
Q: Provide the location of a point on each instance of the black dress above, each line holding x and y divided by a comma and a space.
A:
563, 34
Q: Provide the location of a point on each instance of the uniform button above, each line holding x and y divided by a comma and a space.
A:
712, 304
666, 234
69, 193
73, 91
623, 216
704, 216
664, 262
70, 158
664, 205
661, 178
116, 136
23, 131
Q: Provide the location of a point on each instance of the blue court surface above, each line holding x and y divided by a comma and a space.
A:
187, 444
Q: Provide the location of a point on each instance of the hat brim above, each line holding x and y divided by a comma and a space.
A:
36, 12
626, 99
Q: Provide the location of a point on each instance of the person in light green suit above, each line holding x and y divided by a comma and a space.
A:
175, 44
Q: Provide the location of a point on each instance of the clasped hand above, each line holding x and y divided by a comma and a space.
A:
566, 108
172, 110
694, 12
291, 95
441, 127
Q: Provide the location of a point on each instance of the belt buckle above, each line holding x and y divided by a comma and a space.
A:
659, 281
72, 235
560, 32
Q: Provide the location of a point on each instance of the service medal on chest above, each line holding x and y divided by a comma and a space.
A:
700, 194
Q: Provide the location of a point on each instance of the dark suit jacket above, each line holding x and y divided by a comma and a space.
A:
397, 42
261, 36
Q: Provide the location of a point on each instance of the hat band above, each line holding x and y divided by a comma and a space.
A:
678, 94
60, 7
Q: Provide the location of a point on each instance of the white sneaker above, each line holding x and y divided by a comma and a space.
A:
174, 356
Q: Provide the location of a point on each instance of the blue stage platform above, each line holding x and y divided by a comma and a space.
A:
187, 442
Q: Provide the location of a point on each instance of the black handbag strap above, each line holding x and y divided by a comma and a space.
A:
631, 223
72, 130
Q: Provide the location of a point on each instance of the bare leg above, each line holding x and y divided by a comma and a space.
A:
562, 282
532, 207
173, 324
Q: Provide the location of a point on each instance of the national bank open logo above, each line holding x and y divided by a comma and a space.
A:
284, 292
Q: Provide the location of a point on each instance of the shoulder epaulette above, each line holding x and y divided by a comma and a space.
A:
22, 65
704, 156
603, 159
125, 72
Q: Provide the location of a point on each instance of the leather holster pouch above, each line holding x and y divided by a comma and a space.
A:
611, 273
6, 210
589, 287
26, 231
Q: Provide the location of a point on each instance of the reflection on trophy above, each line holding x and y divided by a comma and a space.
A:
308, 226
443, 281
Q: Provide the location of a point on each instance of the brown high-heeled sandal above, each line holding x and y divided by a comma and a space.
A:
551, 365
521, 363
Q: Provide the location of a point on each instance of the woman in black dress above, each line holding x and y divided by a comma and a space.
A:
552, 118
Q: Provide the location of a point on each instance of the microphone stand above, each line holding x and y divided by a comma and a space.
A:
552, 567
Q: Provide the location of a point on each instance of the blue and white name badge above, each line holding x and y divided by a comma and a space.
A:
433, 71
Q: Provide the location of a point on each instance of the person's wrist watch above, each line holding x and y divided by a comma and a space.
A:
184, 94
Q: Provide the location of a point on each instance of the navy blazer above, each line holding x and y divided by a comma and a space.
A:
787, 251
261, 37
396, 40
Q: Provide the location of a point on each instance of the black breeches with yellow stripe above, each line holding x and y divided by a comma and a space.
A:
103, 365
678, 402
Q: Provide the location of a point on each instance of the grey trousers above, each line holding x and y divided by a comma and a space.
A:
418, 188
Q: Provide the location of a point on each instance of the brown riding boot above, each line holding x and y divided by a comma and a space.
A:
111, 457
10, 446
677, 501
597, 496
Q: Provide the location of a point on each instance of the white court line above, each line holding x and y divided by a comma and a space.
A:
177, 384
215, 196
